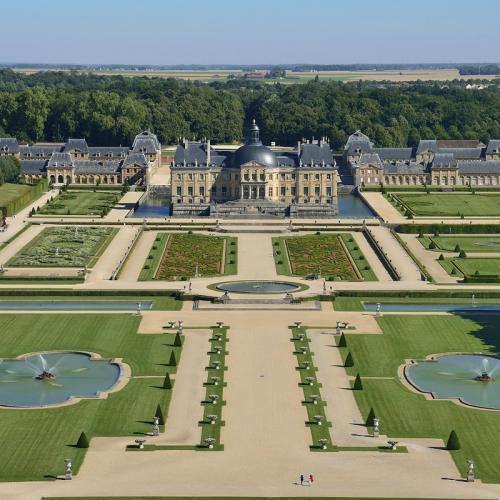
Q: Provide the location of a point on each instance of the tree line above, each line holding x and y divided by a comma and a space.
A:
109, 110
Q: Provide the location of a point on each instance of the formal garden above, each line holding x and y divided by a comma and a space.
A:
456, 243
180, 256
35, 441
446, 204
332, 256
377, 358
81, 202
64, 246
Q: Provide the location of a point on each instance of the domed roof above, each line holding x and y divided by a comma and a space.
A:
254, 152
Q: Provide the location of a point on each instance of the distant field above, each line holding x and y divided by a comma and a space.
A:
292, 76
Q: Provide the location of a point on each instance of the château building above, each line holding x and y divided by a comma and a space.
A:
75, 162
431, 162
254, 178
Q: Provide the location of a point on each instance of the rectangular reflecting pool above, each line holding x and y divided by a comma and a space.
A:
74, 305
388, 306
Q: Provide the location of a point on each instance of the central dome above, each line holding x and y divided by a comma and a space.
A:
253, 150
257, 153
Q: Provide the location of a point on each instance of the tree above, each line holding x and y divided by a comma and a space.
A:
167, 383
462, 254
370, 418
32, 112
342, 341
453, 442
173, 360
348, 360
10, 169
83, 441
358, 384
159, 414
177, 340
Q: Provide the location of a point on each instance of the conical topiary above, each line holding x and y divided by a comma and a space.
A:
159, 414
167, 383
342, 341
457, 248
177, 340
173, 360
462, 254
453, 442
83, 441
348, 361
358, 385
371, 416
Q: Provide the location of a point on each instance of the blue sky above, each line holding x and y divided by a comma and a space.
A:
250, 31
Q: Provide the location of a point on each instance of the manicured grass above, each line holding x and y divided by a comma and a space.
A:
472, 266
35, 442
334, 256
451, 205
466, 243
75, 247
404, 413
160, 303
307, 370
355, 303
176, 256
72, 202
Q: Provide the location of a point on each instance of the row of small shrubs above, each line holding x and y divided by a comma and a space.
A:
448, 229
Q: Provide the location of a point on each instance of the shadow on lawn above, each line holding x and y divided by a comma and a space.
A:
489, 331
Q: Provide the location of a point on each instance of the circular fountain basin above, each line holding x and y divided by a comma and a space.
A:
73, 375
458, 376
258, 287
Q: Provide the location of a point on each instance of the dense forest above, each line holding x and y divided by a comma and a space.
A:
109, 110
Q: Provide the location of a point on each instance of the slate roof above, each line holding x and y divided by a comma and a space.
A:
40, 150
108, 151
427, 145
9, 144
287, 159
459, 143
444, 160
492, 145
191, 153
76, 145
479, 167
463, 153
60, 160
318, 155
135, 158
369, 159
391, 154
147, 134
144, 145
33, 166
96, 167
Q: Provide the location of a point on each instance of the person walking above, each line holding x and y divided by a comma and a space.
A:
302, 479
311, 479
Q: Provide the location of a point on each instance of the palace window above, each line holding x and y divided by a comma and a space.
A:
306, 177
316, 190
190, 190
270, 191
293, 191
179, 190
328, 191
283, 190
262, 177
202, 191
316, 177
328, 177
306, 191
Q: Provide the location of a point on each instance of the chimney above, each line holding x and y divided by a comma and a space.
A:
208, 152
298, 148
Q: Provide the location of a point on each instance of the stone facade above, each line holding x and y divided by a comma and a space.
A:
444, 163
207, 180
74, 162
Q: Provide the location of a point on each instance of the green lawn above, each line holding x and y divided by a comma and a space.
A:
10, 192
416, 337
64, 246
467, 243
334, 256
74, 202
454, 204
35, 442
176, 256
472, 266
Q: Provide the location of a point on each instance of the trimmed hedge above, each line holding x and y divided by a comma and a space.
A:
448, 228
22, 201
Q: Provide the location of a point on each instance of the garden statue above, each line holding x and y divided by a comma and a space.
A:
140, 443
156, 428
470, 471
69, 472
376, 427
